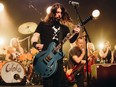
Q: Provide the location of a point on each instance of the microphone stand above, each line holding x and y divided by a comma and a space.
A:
86, 37
33, 7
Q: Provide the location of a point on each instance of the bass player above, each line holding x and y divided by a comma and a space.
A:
75, 72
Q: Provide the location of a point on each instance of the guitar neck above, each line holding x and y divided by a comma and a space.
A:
77, 69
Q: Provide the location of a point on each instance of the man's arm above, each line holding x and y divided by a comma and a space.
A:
78, 59
35, 37
34, 41
73, 38
76, 30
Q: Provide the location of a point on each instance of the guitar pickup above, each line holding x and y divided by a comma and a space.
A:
47, 59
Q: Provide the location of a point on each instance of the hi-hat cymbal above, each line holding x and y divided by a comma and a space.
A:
27, 28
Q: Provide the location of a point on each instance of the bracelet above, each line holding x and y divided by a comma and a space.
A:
34, 44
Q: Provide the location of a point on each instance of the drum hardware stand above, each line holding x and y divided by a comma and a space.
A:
28, 82
27, 38
86, 37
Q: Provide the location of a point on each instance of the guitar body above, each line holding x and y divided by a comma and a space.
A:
71, 73
45, 62
70, 76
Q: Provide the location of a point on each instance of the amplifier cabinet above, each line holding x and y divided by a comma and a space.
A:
103, 71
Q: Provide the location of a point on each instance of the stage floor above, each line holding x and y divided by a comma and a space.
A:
24, 86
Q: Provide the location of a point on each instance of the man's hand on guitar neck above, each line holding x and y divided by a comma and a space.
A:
76, 29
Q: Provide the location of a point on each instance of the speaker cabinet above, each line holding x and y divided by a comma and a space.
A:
103, 71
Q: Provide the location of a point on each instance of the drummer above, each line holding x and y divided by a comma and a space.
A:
14, 50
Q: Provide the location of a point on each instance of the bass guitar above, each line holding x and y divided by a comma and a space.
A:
45, 62
70, 74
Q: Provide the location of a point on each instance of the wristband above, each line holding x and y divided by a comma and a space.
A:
34, 44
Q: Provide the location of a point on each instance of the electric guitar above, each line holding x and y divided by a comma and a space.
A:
45, 62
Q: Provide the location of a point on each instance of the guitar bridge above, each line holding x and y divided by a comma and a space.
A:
47, 59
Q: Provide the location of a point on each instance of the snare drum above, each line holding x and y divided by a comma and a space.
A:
12, 72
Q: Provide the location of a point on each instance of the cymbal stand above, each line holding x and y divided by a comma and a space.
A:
28, 41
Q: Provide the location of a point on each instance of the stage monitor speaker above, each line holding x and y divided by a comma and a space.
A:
103, 71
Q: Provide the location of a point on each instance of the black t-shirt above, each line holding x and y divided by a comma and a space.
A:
47, 33
74, 51
108, 57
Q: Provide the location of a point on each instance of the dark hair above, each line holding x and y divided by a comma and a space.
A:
56, 6
50, 17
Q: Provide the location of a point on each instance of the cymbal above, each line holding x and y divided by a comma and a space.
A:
27, 28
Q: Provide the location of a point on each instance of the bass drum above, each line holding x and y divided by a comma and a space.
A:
12, 72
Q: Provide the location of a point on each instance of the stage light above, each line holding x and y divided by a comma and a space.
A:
101, 45
1, 41
1, 7
48, 9
96, 13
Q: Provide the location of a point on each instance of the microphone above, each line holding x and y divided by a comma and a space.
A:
73, 3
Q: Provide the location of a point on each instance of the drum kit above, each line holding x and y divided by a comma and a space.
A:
15, 71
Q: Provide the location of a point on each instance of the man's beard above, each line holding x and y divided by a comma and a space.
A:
58, 18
